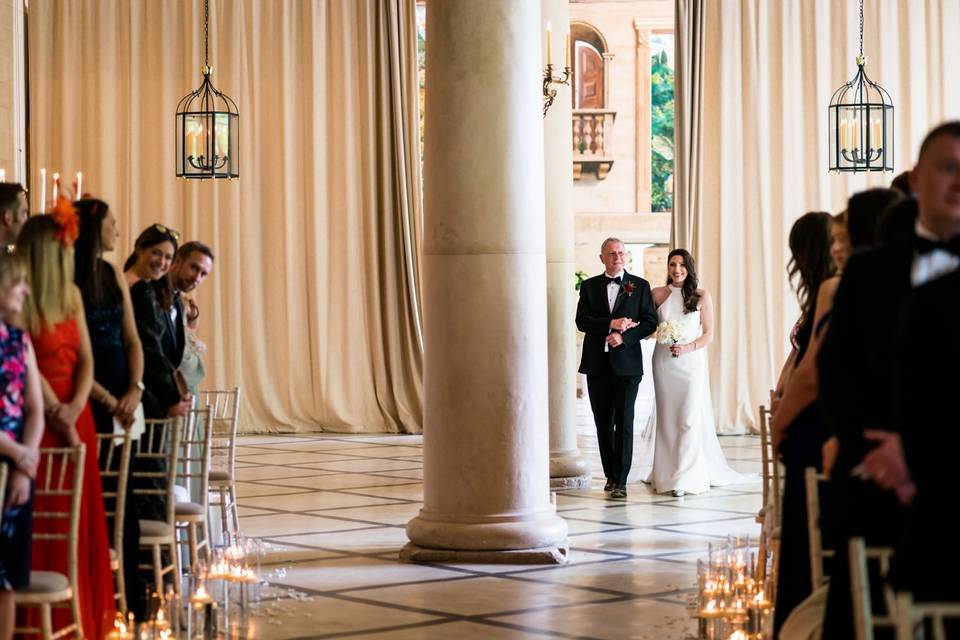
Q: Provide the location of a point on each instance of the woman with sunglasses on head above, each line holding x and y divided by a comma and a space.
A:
152, 297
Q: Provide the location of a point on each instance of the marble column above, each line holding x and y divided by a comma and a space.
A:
568, 469
485, 437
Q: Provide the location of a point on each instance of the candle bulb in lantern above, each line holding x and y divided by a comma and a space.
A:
549, 57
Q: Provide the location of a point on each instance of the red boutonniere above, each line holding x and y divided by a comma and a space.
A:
68, 223
628, 287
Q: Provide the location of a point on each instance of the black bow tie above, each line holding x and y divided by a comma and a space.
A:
608, 279
952, 245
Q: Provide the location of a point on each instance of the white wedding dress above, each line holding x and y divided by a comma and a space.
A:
687, 454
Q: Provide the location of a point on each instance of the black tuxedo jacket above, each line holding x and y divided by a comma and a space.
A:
857, 368
928, 375
161, 392
593, 318
173, 336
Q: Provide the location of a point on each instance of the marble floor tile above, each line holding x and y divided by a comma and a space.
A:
331, 511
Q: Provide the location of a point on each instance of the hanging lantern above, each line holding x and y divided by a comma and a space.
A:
861, 122
208, 126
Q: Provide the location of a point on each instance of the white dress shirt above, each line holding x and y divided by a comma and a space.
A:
933, 265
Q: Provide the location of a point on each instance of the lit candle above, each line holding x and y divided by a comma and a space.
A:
549, 57
79, 185
201, 142
191, 140
843, 134
856, 133
56, 186
567, 57
43, 189
876, 134
3, 175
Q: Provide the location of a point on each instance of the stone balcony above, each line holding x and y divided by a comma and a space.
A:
591, 129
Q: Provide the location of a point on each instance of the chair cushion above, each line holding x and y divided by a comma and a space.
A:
188, 509
154, 529
45, 586
219, 476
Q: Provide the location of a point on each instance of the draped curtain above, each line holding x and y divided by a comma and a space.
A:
312, 307
752, 150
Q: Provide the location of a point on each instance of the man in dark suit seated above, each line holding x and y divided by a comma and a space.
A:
859, 375
615, 312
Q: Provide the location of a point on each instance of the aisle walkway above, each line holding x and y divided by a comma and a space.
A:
331, 511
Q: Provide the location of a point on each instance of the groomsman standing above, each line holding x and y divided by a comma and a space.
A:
859, 373
615, 312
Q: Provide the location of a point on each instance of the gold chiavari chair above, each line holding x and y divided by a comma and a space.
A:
113, 452
154, 472
62, 477
193, 469
910, 614
813, 480
224, 411
863, 618
769, 516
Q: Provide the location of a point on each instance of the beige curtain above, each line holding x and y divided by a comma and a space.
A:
768, 71
312, 307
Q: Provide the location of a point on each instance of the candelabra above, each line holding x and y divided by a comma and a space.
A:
549, 93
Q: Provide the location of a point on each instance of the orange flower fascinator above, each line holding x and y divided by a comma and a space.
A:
68, 223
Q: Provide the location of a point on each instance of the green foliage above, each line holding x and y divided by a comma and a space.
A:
581, 276
661, 104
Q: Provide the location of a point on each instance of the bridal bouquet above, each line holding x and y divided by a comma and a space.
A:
669, 333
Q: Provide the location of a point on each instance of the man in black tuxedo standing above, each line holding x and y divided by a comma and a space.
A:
615, 312
858, 372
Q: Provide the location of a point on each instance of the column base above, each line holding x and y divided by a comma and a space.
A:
569, 470
546, 555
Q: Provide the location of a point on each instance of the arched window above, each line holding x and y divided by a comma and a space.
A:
588, 74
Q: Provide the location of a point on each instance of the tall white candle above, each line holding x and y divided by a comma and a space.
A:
3, 175
43, 190
79, 193
56, 186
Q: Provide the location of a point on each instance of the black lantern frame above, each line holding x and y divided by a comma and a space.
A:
860, 119
207, 127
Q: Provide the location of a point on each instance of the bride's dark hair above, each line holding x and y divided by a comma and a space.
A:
810, 258
691, 298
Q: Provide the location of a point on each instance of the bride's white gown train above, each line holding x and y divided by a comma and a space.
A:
687, 454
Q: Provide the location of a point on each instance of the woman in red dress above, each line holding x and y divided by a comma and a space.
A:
54, 316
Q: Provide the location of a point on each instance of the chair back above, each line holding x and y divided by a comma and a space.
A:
910, 614
817, 552
224, 410
864, 622
60, 478
770, 468
193, 463
154, 457
113, 452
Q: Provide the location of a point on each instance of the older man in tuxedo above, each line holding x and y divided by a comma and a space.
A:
615, 312
859, 376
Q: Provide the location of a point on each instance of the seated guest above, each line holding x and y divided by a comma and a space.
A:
13, 213
21, 427
192, 265
54, 316
117, 357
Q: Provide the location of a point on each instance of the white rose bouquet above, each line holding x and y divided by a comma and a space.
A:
669, 333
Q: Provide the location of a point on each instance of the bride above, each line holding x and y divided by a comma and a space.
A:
687, 457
